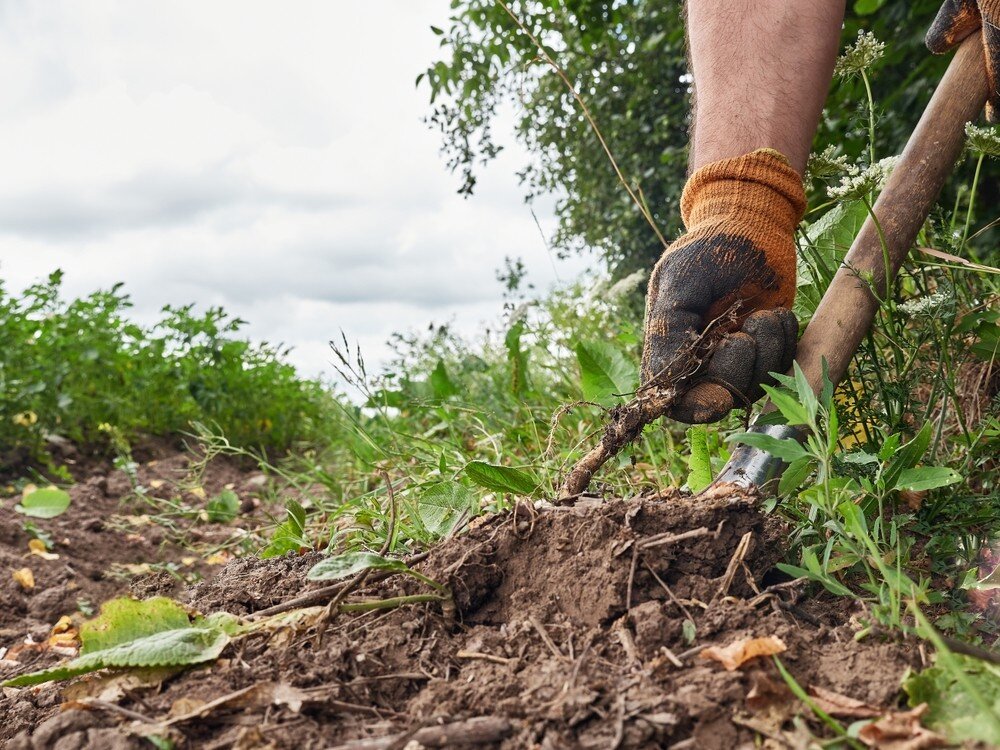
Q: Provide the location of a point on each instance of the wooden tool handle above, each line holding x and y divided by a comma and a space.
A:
846, 312
848, 308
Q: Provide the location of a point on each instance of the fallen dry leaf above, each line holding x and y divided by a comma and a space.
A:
741, 651
110, 688
198, 492
901, 730
841, 706
37, 547
25, 578
188, 561
218, 558
155, 484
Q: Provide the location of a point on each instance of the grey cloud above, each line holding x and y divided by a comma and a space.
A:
146, 200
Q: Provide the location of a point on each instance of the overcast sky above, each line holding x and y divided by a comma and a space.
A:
269, 157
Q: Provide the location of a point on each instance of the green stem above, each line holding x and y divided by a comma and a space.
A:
429, 581
391, 603
972, 200
871, 118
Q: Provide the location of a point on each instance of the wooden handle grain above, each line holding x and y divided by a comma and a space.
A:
848, 308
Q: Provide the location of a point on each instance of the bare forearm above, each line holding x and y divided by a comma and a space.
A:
761, 69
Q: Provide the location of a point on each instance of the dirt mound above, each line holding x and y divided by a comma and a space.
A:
573, 627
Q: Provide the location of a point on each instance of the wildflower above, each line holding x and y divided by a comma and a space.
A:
924, 305
984, 141
828, 164
867, 50
621, 288
858, 183
25, 419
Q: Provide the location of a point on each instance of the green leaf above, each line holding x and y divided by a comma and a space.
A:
950, 708
867, 7
907, 457
699, 462
441, 383
517, 358
442, 505
605, 372
829, 238
151, 633
290, 535
224, 507
47, 502
805, 391
787, 449
500, 478
352, 563
795, 475
790, 407
927, 478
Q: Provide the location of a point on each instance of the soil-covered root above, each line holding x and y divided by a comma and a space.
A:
577, 626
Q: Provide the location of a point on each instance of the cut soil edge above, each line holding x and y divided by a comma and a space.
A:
568, 631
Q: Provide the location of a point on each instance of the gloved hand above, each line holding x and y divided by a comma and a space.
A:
740, 216
956, 20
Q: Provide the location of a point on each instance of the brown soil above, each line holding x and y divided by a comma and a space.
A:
567, 633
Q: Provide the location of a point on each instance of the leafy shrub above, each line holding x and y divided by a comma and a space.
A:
80, 368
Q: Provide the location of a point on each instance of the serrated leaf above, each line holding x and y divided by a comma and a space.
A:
442, 505
605, 372
699, 462
500, 478
47, 502
787, 449
352, 563
149, 633
927, 478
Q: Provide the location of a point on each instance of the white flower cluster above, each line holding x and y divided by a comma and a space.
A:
924, 305
827, 163
982, 140
867, 50
857, 183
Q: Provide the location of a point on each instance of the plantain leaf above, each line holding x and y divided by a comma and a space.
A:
150, 633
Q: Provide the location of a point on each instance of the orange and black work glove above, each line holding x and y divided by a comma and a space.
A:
740, 215
956, 20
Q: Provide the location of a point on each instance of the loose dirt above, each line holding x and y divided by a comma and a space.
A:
578, 626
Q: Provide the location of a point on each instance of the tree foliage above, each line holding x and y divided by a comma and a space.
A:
627, 60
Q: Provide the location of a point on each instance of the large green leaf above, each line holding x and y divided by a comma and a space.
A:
46, 502
829, 238
500, 478
605, 372
699, 463
950, 707
927, 478
442, 505
787, 449
352, 563
151, 633
441, 382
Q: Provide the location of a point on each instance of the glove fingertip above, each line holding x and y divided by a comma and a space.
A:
703, 403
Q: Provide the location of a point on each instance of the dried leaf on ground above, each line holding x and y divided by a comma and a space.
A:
901, 730
841, 706
24, 578
739, 652
37, 547
111, 687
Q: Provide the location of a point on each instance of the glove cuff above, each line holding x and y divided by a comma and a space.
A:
760, 191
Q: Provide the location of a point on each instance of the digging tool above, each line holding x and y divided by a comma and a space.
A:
846, 312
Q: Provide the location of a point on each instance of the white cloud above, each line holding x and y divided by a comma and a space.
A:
269, 157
